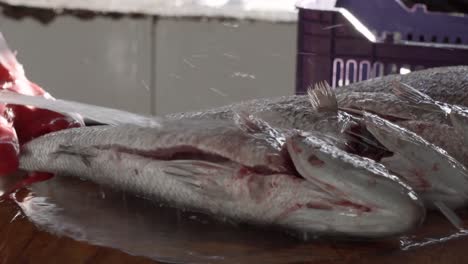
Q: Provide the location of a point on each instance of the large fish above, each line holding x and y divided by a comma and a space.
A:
432, 125
293, 112
428, 169
445, 84
319, 114
457, 114
337, 193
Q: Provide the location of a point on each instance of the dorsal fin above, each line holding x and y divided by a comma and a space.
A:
408, 93
323, 98
259, 128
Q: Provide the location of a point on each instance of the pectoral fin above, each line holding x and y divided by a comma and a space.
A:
206, 178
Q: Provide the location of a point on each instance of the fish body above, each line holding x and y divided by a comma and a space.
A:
389, 106
317, 117
457, 114
211, 139
229, 188
445, 84
431, 124
428, 169
291, 112
287, 114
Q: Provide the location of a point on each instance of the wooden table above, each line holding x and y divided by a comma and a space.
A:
23, 242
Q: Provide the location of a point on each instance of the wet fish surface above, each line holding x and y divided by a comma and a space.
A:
446, 84
368, 201
182, 163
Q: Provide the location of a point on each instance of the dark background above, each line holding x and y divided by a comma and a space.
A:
459, 6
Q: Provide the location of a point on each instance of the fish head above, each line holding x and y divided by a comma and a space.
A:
427, 168
361, 192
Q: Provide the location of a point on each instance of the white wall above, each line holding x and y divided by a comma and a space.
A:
211, 63
179, 65
101, 61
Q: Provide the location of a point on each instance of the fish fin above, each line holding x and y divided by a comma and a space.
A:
203, 177
359, 138
453, 218
364, 141
390, 134
323, 98
347, 123
259, 128
98, 114
86, 154
408, 93
248, 123
422, 100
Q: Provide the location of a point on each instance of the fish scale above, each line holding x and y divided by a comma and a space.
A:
206, 136
446, 84
434, 126
227, 189
287, 114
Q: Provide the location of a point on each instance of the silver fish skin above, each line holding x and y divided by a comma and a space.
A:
427, 168
296, 111
445, 84
381, 207
458, 114
286, 114
389, 106
215, 139
293, 112
318, 111
430, 123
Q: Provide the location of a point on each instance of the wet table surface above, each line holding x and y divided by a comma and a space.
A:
21, 241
